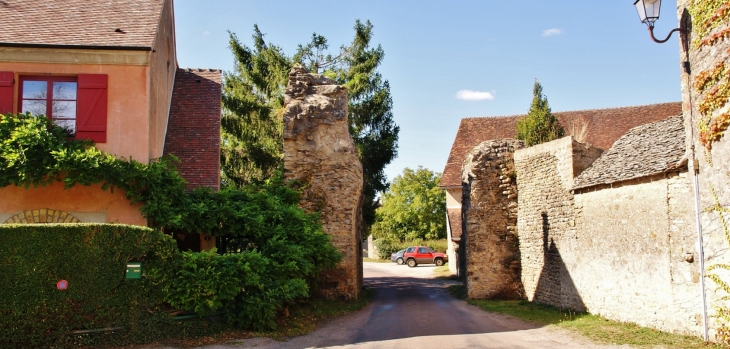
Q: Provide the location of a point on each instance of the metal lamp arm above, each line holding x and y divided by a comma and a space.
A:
651, 32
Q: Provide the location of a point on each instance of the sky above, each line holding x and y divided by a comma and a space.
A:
448, 60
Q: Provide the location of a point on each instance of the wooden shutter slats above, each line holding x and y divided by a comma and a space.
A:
91, 109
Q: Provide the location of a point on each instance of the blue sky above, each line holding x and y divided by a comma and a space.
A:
586, 54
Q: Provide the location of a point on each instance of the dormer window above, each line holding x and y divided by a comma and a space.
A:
53, 96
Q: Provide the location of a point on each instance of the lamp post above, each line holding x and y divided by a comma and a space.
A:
648, 13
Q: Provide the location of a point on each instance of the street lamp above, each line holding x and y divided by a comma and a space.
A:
649, 13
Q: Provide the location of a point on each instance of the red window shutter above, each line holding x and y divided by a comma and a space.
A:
91, 107
6, 92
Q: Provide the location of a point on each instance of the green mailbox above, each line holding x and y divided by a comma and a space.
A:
134, 270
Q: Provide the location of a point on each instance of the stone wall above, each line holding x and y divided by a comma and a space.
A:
712, 163
320, 156
489, 213
624, 251
632, 258
546, 218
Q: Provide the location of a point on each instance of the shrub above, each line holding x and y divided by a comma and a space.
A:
92, 258
387, 246
250, 287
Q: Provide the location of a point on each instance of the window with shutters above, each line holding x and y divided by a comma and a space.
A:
76, 103
54, 97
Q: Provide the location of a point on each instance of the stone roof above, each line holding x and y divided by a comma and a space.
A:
193, 128
98, 23
605, 126
645, 150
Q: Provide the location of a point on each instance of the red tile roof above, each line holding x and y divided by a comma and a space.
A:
193, 129
605, 126
80, 22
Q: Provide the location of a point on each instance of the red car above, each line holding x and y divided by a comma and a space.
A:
416, 255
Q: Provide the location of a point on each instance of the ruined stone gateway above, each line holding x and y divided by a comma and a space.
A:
489, 238
320, 156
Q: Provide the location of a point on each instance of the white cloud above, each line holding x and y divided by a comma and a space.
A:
206, 32
469, 95
551, 32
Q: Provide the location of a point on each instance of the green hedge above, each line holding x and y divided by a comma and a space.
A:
387, 246
249, 288
92, 258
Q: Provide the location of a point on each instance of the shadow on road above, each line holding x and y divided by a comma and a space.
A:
405, 307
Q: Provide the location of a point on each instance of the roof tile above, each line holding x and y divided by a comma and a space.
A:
604, 127
643, 151
80, 22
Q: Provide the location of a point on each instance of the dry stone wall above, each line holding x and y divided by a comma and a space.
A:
320, 156
489, 213
546, 219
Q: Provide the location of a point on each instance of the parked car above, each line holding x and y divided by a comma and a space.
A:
416, 255
397, 257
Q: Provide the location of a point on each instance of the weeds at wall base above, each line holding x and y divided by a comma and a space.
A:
592, 327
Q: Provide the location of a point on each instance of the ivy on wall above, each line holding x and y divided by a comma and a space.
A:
713, 84
707, 15
716, 271
35, 152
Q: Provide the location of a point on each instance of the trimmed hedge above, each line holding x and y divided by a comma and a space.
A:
92, 258
249, 288
387, 246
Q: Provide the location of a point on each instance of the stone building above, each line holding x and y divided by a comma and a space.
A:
566, 224
614, 236
602, 128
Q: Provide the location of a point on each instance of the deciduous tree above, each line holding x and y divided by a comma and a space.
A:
413, 208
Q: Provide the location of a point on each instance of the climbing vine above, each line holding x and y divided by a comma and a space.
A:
723, 311
707, 15
714, 83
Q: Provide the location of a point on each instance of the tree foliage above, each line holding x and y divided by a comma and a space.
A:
413, 208
253, 99
539, 125
286, 245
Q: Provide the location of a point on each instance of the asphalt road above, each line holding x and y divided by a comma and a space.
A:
411, 309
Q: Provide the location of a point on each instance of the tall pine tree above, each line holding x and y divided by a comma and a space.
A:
253, 96
539, 125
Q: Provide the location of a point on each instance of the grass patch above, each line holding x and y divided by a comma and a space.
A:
442, 272
593, 327
373, 260
303, 318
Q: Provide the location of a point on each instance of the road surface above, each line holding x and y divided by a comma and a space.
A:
411, 309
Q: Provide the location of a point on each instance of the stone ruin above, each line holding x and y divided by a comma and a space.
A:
489, 228
320, 155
